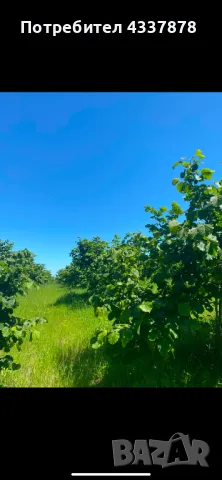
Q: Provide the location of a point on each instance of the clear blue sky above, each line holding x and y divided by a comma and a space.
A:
85, 164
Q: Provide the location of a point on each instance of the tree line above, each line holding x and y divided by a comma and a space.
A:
154, 287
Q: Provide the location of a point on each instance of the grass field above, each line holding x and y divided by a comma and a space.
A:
60, 354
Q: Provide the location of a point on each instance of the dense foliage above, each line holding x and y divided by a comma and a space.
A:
63, 276
154, 287
18, 272
82, 266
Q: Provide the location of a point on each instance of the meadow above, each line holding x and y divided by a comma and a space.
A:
60, 354
139, 311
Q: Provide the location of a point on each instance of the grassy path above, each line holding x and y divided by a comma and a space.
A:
60, 354
53, 358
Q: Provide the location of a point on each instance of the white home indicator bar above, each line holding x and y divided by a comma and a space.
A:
110, 474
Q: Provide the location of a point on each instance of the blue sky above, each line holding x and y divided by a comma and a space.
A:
85, 164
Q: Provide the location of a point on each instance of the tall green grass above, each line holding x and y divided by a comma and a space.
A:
60, 354
48, 360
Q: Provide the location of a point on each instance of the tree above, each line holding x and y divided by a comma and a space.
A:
14, 280
153, 299
79, 273
64, 277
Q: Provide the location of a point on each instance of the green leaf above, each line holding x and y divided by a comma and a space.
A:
184, 309
175, 181
4, 266
146, 307
147, 208
154, 288
180, 187
113, 337
96, 345
11, 302
177, 163
176, 208
163, 209
213, 238
201, 246
181, 162
6, 332
172, 350
212, 249
135, 272
216, 200
126, 337
214, 189
194, 167
173, 333
199, 154
185, 164
207, 173
102, 335
173, 226
198, 178
18, 334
